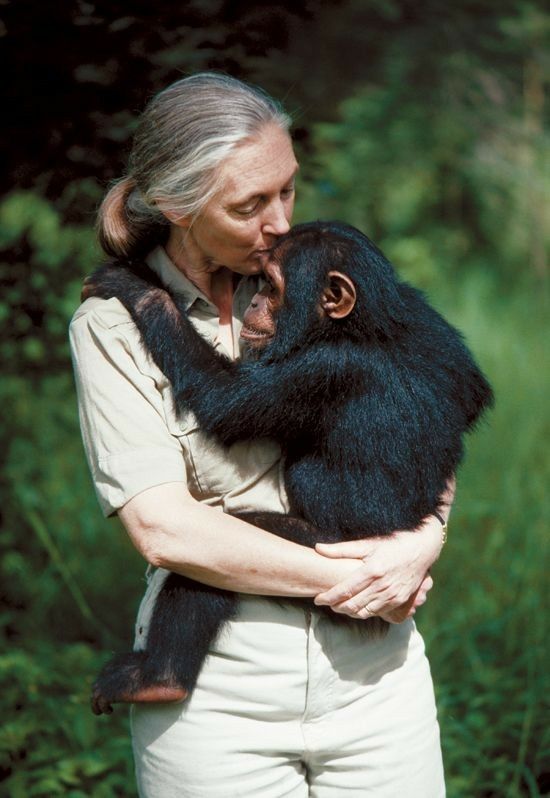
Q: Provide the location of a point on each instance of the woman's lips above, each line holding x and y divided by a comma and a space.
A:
261, 254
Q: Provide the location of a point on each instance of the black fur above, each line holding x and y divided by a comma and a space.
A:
370, 412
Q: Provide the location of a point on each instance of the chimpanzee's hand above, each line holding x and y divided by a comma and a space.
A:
89, 287
391, 576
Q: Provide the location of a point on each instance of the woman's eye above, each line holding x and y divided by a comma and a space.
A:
248, 211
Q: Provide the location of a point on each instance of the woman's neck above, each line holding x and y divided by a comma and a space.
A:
216, 284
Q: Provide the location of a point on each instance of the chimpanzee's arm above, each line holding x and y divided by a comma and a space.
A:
234, 401
241, 401
157, 315
247, 400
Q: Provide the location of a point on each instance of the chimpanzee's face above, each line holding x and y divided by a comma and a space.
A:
335, 302
259, 323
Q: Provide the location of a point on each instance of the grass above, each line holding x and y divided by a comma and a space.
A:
486, 624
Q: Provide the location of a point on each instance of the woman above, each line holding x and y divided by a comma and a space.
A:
287, 703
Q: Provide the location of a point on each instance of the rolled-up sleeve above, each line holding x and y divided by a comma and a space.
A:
128, 445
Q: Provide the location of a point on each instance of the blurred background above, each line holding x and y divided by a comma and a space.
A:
423, 123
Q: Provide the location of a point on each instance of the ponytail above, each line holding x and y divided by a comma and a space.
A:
126, 227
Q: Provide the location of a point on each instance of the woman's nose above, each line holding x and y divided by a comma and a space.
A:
276, 222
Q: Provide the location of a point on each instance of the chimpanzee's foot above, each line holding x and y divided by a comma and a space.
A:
122, 681
157, 694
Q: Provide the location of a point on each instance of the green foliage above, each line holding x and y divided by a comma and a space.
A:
54, 541
42, 260
50, 743
434, 198
62, 570
485, 626
443, 157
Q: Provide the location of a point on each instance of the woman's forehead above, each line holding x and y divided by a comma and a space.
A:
262, 165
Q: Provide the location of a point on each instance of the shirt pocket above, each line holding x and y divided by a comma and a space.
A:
243, 476
186, 430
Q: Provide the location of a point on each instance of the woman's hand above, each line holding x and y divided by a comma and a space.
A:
393, 578
390, 575
408, 609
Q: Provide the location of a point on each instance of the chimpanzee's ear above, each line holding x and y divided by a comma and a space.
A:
339, 296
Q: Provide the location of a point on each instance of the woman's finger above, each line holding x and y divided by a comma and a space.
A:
390, 610
357, 582
426, 586
365, 604
376, 599
408, 609
351, 549
399, 615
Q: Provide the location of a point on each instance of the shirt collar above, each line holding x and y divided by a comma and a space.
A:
173, 278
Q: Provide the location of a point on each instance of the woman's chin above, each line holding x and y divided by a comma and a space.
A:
260, 257
248, 268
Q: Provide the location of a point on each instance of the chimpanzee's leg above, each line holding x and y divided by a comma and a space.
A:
185, 621
290, 528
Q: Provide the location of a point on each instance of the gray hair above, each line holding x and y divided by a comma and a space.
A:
184, 135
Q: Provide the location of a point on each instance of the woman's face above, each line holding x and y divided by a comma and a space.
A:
252, 208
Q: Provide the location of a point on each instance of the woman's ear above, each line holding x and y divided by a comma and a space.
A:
175, 218
339, 296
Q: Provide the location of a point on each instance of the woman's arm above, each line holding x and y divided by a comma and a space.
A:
393, 570
174, 531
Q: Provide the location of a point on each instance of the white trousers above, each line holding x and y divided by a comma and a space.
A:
289, 704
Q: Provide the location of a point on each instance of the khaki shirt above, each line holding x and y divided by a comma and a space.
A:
132, 437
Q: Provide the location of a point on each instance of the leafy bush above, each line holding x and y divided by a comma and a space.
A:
50, 743
485, 626
42, 261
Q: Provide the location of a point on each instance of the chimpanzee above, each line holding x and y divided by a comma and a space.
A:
366, 388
